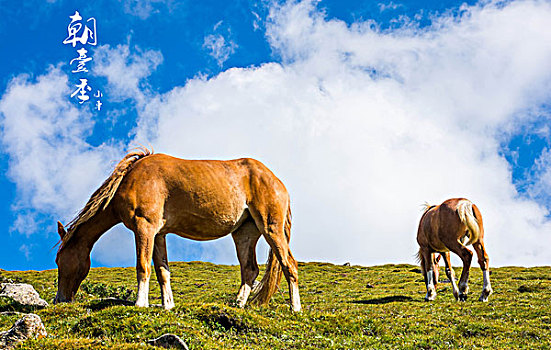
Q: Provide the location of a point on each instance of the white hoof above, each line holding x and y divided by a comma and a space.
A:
240, 303
431, 295
142, 304
485, 294
168, 306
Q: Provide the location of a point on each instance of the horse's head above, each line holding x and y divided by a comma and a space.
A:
73, 264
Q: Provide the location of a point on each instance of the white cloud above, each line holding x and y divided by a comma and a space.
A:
257, 21
219, 47
363, 126
389, 6
115, 248
44, 135
540, 186
53, 166
25, 250
145, 8
125, 70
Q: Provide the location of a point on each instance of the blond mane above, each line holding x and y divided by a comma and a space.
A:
101, 198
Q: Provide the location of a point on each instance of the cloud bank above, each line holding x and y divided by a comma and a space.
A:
362, 126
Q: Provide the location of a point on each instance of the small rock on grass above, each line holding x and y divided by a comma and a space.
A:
169, 341
22, 293
28, 326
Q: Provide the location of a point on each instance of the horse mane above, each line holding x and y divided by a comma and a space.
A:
101, 198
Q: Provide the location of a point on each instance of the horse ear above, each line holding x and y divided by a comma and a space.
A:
61, 230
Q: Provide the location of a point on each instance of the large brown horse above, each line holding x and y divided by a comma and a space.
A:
447, 227
156, 194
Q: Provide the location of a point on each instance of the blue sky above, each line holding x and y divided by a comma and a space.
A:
364, 109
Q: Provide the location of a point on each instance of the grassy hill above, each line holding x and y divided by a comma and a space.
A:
345, 307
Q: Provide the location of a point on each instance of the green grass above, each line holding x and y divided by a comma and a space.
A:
344, 307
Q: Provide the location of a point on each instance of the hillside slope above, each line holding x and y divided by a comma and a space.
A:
345, 307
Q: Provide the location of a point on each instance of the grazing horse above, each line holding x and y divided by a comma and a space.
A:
447, 227
156, 194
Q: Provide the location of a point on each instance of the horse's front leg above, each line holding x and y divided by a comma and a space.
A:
245, 239
451, 274
160, 261
144, 236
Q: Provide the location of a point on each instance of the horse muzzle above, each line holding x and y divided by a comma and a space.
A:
59, 298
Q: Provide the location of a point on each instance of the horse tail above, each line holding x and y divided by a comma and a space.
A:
419, 257
426, 207
467, 217
269, 284
101, 198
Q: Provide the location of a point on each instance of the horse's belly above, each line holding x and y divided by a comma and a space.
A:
204, 230
204, 225
438, 246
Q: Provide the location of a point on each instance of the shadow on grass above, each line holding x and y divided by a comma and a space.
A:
101, 304
385, 300
16, 307
9, 305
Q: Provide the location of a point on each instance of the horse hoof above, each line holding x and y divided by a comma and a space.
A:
484, 296
462, 297
168, 306
430, 297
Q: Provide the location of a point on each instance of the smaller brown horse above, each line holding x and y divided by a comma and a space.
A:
444, 228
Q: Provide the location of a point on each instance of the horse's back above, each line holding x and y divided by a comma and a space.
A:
207, 197
442, 224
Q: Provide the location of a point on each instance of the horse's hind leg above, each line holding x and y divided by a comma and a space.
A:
436, 266
289, 265
160, 261
451, 274
144, 233
466, 256
483, 262
245, 239
271, 223
427, 265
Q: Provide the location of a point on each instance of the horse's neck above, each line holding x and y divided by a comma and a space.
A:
88, 233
